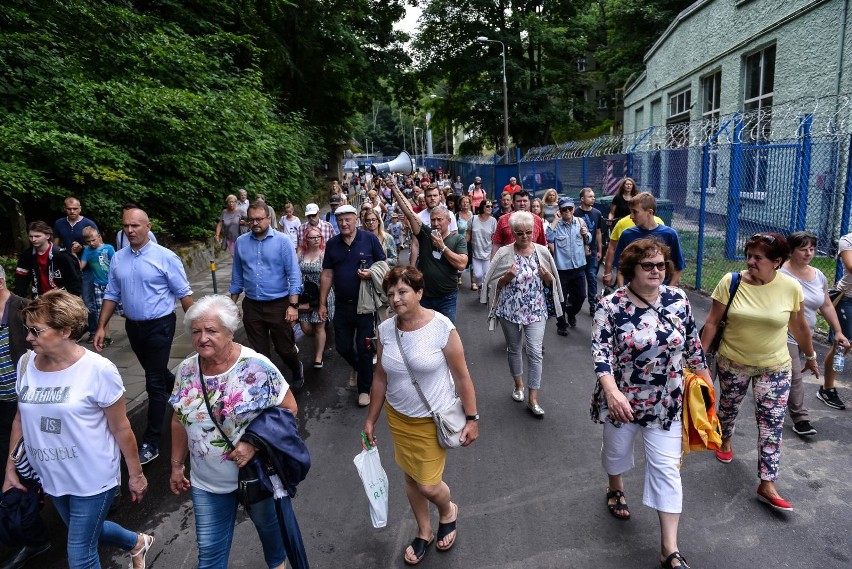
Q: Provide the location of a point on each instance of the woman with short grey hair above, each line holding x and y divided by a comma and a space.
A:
518, 283
240, 384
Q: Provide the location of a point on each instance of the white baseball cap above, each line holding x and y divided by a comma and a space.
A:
311, 209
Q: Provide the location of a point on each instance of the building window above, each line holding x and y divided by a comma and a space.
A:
680, 103
581, 64
759, 87
602, 99
712, 86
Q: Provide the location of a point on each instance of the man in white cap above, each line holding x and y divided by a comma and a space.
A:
569, 237
348, 257
475, 180
312, 214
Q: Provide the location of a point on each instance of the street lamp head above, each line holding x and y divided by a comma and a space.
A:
482, 39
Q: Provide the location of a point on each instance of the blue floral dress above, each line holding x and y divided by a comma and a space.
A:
522, 300
236, 396
645, 353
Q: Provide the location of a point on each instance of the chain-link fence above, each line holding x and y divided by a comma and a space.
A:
719, 180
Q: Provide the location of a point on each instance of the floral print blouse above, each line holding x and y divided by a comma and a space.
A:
522, 300
236, 396
645, 353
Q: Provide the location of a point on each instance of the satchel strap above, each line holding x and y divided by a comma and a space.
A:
408, 367
209, 408
654, 308
736, 278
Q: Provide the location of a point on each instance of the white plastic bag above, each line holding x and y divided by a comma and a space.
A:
375, 482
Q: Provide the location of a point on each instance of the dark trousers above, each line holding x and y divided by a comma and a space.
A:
151, 341
573, 283
89, 299
591, 274
266, 329
350, 331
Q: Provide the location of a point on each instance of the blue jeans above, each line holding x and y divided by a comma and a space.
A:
350, 331
89, 299
85, 517
591, 278
215, 516
151, 341
446, 305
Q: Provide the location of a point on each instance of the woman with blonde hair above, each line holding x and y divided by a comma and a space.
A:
310, 264
229, 222
550, 205
537, 208
371, 222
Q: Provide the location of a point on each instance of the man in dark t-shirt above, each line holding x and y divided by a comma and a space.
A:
345, 264
593, 218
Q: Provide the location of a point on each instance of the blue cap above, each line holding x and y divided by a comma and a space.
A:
566, 202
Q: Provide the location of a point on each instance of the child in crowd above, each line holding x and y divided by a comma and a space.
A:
396, 231
97, 256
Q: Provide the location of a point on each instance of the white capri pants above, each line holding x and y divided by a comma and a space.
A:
480, 268
663, 490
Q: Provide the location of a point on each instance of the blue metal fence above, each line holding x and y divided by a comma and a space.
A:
724, 178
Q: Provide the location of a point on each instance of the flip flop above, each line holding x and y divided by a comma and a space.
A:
419, 546
445, 529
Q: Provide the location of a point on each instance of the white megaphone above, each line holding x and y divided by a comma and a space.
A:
401, 165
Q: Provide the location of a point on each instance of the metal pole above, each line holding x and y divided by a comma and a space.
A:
213, 275
505, 107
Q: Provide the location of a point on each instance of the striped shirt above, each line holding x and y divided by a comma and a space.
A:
7, 367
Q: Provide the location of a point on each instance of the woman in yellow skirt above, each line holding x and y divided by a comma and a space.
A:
436, 357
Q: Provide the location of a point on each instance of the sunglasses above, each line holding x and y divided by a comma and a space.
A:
764, 236
648, 267
488, 205
522, 233
569, 208
34, 331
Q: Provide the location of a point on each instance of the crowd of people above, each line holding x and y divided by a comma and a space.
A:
393, 321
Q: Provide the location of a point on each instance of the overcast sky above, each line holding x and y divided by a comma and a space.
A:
408, 23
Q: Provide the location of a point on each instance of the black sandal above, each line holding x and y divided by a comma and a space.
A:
667, 564
419, 546
617, 495
445, 529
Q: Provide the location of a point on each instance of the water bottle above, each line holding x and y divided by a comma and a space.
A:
838, 363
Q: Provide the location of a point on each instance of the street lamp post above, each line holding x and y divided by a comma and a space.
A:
483, 39
416, 128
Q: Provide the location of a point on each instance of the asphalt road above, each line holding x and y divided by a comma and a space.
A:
530, 491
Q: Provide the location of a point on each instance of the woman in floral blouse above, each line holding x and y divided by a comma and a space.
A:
518, 282
240, 384
643, 334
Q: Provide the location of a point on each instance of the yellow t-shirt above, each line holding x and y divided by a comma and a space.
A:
756, 333
626, 223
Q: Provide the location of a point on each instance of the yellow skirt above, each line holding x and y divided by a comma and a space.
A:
416, 448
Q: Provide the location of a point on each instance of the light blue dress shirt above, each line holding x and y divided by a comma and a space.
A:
265, 268
148, 282
568, 250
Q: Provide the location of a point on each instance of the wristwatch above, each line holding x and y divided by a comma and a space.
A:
811, 358
294, 305
472, 417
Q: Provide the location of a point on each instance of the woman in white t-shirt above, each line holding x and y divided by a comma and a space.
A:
71, 414
436, 356
240, 384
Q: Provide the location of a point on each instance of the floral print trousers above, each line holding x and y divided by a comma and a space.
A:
770, 388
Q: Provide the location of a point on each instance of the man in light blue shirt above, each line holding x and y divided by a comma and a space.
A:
267, 270
147, 279
567, 237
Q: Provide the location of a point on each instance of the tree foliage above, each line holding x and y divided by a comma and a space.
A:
173, 104
543, 41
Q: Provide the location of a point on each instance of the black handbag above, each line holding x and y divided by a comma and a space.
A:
310, 294
250, 488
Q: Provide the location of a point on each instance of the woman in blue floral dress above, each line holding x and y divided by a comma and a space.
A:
240, 384
642, 336
518, 283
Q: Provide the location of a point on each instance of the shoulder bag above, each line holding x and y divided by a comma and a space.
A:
450, 421
250, 488
713, 348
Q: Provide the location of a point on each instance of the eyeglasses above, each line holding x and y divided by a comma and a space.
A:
764, 236
566, 209
488, 205
522, 233
254, 220
648, 267
35, 331
314, 238
371, 221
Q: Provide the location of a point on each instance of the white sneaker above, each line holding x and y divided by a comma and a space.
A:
363, 399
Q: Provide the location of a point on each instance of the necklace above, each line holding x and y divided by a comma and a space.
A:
224, 366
